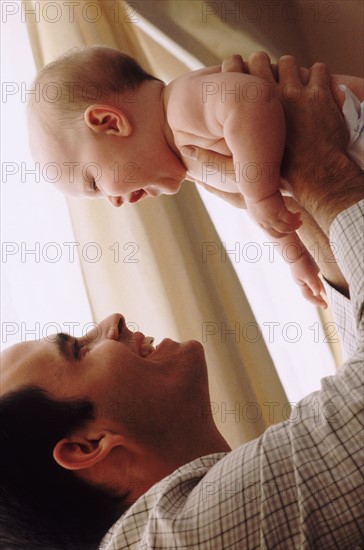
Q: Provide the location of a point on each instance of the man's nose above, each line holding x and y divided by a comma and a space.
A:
112, 326
109, 328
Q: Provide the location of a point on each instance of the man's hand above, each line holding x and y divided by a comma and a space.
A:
316, 167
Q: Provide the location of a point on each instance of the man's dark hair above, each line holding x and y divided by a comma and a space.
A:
44, 506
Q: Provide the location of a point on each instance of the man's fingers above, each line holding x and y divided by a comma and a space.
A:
320, 86
288, 71
205, 155
320, 75
233, 64
259, 65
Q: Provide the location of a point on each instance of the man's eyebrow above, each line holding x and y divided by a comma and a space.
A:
62, 341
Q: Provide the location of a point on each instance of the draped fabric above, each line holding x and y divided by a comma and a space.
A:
146, 260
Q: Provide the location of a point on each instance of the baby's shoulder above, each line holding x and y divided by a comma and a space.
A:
186, 82
210, 82
182, 98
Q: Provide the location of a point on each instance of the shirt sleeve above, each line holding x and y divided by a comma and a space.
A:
298, 486
342, 311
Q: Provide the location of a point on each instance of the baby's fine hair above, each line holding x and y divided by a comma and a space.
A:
82, 77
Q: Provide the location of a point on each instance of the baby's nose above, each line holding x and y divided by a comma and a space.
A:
153, 191
115, 201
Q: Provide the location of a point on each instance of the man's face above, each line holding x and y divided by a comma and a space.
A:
144, 396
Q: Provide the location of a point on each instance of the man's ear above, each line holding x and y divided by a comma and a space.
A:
107, 119
78, 452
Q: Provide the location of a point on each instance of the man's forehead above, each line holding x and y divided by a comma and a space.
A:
17, 359
15, 353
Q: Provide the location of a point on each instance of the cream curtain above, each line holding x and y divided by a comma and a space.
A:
149, 256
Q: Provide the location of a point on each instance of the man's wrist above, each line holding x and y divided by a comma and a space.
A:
337, 184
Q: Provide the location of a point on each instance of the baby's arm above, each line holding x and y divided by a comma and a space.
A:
236, 115
254, 131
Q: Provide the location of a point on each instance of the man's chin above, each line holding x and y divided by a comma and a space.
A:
196, 351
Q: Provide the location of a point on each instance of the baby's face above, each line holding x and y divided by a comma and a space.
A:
120, 170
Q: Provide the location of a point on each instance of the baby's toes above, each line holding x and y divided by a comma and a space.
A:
290, 220
316, 300
280, 227
316, 286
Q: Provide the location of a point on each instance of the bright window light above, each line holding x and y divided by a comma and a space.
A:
42, 290
290, 326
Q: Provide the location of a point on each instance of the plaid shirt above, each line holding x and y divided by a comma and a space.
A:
298, 486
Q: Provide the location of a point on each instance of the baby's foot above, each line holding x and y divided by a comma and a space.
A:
273, 216
305, 273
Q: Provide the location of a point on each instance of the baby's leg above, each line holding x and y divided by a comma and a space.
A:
303, 268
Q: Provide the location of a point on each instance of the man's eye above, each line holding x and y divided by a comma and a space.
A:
76, 349
80, 350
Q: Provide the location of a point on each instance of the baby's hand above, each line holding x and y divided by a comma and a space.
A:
305, 274
273, 216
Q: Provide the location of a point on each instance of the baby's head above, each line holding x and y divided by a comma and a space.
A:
92, 122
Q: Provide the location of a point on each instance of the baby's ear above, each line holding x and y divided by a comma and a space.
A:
107, 119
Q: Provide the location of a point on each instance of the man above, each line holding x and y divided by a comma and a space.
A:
91, 426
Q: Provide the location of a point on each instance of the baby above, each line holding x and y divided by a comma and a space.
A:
117, 132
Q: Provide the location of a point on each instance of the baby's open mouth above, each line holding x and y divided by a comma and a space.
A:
137, 195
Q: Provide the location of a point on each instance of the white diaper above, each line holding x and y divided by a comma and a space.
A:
353, 112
